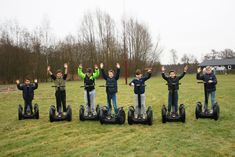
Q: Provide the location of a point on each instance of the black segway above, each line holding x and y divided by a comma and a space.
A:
90, 115
140, 120
28, 114
204, 114
107, 117
53, 116
171, 117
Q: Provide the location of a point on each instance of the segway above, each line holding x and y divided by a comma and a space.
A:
90, 115
107, 117
171, 117
27, 114
53, 116
203, 114
139, 119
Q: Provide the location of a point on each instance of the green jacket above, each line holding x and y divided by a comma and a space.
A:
94, 76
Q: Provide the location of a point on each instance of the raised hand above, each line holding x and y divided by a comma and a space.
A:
17, 81
163, 69
101, 65
96, 66
199, 70
118, 65
80, 66
49, 68
186, 68
149, 70
65, 65
35, 81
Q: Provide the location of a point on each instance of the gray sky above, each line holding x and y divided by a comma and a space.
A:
188, 26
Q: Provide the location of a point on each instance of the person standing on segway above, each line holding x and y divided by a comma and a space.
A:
173, 86
28, 92
139, 88
59, 81
210, 81
89, 86
111, 86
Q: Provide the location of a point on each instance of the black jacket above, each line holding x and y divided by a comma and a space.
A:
111, 83
210, 87
173, 83
28, 90
139, 86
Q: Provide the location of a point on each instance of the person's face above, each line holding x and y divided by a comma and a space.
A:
208, 71
27, 82
138, 76
172, 74
88, 74
59, 75
110, 74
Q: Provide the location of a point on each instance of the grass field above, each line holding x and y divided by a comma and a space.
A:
203, 137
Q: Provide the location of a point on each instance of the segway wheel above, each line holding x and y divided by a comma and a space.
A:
20, 112
36, 111
69, 113
52, 113
98, 111
163, 114
216, 111
130, 115
182, 113
81, 113
101, 116
198, 109
121, 116
150, 115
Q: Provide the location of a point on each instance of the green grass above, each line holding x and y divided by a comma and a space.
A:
203, 137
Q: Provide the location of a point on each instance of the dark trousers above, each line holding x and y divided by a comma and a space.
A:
173, 101
28, 103
60, 98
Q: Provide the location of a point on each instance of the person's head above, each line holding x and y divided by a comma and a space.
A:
111, 73
172, 73
138, 74
208, 70
59, 73
89, 72
27, 80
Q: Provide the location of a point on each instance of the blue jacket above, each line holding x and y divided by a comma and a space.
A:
210, 87
111, 83
139, 87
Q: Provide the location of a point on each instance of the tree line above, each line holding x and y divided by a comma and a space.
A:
28, 53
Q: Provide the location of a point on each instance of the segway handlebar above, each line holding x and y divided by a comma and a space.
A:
87, 86
58, 86
174, 84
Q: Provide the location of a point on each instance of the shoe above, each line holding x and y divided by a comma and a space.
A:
135, 116
143, 116
173, 114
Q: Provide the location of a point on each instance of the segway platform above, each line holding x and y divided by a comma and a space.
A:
106, 118
28, 114
53, 116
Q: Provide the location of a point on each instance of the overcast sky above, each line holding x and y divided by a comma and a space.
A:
188, 26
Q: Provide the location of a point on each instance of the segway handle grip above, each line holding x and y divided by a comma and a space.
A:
87, 86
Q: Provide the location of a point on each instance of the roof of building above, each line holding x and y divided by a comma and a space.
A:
217, 62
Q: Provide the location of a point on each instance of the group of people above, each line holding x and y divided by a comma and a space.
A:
89, 77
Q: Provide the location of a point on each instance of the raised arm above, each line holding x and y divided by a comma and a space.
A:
96, 74
19, 86
35, 85
148, 75
118, 71
183, 74
199, 76
102, 71
163, 74
65, 71
51, 74
80, 73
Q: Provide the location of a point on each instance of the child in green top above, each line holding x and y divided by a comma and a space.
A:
89, 86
